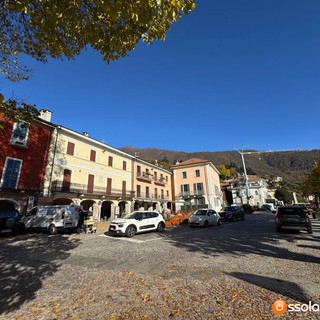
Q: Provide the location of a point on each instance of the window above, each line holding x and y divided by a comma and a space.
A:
124, 165
138, 171
161, 177
66, 180
70, 148
162, 194
11, 173
167, 193
256, 192
156, 193
147, 192
109, 186
19, 135
138, 191
185, 189
167, 178
198, 188
93, 155
90, 183
184, 175
124, 188
197, 173
155, 176
216, 190
110, 161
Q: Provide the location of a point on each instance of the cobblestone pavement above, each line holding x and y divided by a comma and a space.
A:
233, 271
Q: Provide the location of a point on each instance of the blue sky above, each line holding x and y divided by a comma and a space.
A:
232, 73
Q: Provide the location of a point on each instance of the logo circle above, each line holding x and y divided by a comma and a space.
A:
279, 307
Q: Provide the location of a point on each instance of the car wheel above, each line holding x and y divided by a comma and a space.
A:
219, 222
243, 217
52, 229
160, 227
233, 218
310, 230
206, 224
131, 231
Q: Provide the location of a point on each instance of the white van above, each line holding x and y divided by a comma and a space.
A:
52, 218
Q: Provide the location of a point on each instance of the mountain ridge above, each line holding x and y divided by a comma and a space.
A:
291, 165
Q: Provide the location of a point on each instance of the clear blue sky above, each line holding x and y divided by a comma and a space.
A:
231, 73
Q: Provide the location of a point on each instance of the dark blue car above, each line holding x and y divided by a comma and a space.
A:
9, 221
232, 213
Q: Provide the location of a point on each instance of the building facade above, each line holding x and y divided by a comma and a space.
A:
82, 170
196, 184
23, 159
257, 191
151, 186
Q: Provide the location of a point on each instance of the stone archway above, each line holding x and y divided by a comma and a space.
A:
86, 204
106, 210
122, 208
136, 206
62, 201
7, 204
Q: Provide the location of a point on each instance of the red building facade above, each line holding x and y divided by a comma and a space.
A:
23, 160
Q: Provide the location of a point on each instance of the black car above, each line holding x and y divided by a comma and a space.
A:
292, 217
232, 213
9, 221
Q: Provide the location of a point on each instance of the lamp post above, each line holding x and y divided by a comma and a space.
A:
242, 153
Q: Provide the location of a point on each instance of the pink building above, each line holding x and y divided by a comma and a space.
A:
197, 184
152, 186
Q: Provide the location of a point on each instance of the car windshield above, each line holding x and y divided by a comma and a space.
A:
228, 209
8, 214
200, 212
290, 211
132, 215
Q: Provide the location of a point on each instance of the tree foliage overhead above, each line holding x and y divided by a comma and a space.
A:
62, 28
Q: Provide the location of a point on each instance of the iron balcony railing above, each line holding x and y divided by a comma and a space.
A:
58, 186
190, 193
153, 196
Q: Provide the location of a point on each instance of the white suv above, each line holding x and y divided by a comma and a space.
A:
136, 222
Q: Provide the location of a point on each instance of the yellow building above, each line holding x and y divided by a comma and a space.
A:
152, 186
82, 170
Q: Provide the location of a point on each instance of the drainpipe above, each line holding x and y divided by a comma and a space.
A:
44, 161
54, 156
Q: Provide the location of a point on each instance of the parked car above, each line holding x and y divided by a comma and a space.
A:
266, 207
232, 213
52, 218
137, 222
10, 221
204, 218
292, 217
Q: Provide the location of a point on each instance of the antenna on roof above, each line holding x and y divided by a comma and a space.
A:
136, 154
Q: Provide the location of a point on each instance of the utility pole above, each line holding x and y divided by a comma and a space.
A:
242, 153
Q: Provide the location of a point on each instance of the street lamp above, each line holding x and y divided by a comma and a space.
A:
242, 153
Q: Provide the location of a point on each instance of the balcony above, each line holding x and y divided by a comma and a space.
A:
144, 176
23, 185
151, 196
188, 194
76, 188
160, 181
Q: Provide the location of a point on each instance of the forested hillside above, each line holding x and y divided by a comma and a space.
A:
291, 165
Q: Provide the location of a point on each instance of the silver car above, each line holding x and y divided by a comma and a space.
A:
52, 218
204, 218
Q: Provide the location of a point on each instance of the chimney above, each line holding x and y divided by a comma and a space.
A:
45, 115
86, 134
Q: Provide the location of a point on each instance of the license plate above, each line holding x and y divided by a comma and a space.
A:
5, 231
